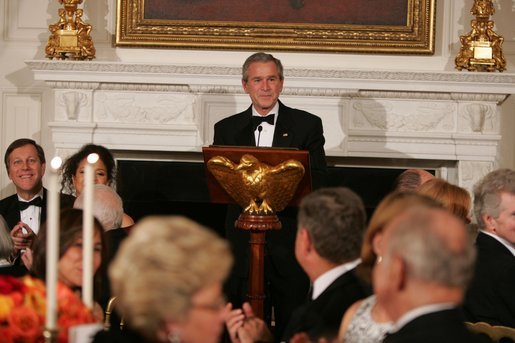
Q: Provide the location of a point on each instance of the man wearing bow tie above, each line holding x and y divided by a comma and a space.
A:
269, 123
26, 210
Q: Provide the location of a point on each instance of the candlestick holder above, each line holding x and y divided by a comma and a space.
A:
481, 48
50, 335
70, 36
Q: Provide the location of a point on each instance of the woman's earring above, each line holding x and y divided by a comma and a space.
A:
379, 259
174, 337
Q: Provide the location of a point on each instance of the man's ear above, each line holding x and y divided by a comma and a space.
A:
399, 273
244, 84
489, 222
305, 239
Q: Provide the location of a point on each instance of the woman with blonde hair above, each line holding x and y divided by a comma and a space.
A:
454, 198
167, 278
365, 320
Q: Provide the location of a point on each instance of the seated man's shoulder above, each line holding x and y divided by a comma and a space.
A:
6, 202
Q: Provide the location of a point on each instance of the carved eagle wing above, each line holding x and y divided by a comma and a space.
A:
283, 179
224, 171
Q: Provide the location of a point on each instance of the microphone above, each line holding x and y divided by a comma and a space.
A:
259, 128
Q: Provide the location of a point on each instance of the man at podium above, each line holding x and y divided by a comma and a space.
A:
269, 123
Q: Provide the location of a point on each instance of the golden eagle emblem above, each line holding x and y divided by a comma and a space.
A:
257, 187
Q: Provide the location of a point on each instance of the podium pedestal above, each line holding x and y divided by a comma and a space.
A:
257, 225
255, 219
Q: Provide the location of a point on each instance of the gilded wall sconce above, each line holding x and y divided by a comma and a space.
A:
70, 37
481, 48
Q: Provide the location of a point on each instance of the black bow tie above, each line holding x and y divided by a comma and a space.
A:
37, 201
257, 120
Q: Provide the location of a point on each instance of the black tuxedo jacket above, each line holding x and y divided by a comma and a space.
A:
293, 129
445, 326
322, 317
10, 210
491, 295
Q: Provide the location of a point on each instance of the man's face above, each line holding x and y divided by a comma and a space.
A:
26, 170
504, 225
263, 86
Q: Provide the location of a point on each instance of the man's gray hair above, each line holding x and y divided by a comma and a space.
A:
428, 252
335, 219
487, 193
107, 206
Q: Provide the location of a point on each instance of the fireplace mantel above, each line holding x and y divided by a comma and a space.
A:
375, 114
296, 79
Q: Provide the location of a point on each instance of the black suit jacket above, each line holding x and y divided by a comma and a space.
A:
491, 295
322, 317
293, 129
445, 326
10, 210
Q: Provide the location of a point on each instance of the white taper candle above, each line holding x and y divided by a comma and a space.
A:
52, 244
88, 233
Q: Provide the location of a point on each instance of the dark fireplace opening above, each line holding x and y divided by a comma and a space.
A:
180, 188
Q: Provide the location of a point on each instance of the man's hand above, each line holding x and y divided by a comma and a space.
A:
22, 236
245, 327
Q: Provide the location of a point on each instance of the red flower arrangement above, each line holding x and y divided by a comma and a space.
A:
22, 310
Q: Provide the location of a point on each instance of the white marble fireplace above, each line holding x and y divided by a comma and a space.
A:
449, 121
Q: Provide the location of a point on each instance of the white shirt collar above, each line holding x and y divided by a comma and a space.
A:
418, 312
501, 240
326, 279
274, 109
40, 194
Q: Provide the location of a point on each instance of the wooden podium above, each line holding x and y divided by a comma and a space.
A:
256, 223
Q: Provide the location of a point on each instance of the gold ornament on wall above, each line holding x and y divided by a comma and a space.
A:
481, 48
70, 36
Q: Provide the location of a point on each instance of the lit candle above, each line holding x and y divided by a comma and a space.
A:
52, 244
87, 232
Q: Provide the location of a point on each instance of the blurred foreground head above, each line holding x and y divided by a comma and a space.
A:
168, 277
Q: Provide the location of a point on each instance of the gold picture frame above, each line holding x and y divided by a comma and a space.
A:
404, 27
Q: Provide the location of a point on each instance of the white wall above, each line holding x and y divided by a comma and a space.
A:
24, 108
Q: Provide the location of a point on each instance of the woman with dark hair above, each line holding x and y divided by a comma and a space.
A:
69, 269
104, 171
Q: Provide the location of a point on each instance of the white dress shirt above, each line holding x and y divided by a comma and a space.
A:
31, 214
266, 137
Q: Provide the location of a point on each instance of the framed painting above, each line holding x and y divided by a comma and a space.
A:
362, 26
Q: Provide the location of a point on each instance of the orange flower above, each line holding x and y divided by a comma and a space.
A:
6, 336
22, 310
25, 324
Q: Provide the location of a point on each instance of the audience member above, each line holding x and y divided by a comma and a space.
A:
426, 263
331, 224
366, 320
25, 211
168, 279
104, 171
70, 265
490, 296
454, 198
108, 209
262, 80
411, 179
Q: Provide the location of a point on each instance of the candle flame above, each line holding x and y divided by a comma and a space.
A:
93, 158
56, 162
